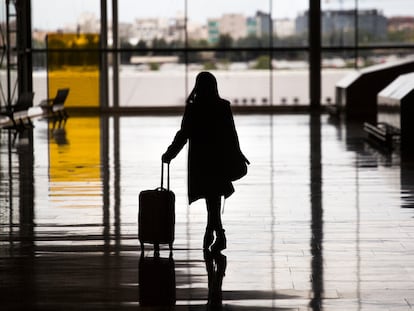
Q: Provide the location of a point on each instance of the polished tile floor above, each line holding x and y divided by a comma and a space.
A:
323, 221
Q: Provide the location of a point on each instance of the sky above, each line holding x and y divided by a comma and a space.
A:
53, 14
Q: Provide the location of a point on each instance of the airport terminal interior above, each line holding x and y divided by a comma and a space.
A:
93, 92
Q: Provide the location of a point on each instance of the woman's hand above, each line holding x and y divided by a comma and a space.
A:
165, 158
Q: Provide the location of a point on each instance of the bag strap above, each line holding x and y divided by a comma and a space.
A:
168, 175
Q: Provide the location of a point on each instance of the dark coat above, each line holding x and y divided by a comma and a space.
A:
209, 128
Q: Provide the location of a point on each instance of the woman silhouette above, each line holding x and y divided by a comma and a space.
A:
208, 126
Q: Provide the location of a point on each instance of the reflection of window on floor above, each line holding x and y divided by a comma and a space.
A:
75, 162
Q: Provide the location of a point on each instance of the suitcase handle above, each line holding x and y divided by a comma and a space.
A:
168, 175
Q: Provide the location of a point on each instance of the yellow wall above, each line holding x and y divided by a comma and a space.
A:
75, 66
74, 158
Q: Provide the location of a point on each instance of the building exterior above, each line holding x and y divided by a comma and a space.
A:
251, 24
148, 29
264, 24
284, 27
197, 31
371, 23
213, 30
401, 23
239, 26
234, 25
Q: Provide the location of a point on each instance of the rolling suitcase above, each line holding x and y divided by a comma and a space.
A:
156, 215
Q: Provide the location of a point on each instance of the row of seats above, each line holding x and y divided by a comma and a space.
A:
21, 114
380, 97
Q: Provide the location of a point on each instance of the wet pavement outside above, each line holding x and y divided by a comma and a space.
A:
323, 220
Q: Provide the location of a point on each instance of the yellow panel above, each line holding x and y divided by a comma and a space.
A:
76, 68
74, 151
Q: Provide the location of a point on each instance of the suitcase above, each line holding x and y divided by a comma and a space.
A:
156, 215
157, 285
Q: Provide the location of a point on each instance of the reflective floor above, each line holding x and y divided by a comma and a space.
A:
323, 221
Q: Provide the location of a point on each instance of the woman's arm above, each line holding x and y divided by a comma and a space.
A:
180, 138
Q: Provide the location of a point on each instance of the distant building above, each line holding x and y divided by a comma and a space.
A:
283, 27
234, 25
176, 28
370, 23
251, 26
238, 26
264, 23
148, 29
401, 23
213, 30
125, 32
88, 23
197, 31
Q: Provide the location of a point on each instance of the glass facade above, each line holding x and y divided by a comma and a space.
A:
357, 34
259, 50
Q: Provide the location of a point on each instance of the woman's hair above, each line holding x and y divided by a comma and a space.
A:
206, 86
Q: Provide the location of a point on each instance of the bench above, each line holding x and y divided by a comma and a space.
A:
55, 107
384, 133
18, 116
356, 93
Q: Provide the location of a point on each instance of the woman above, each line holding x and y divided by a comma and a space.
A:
208, 126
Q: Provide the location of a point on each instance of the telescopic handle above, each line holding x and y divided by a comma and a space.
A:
162, 175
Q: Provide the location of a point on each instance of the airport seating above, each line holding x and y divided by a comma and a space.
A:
55, 107
19, 115
383, 132
356, 93
395, 113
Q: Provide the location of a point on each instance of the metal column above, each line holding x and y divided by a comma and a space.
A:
315, 53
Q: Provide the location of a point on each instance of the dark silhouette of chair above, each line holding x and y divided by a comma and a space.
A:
55, 107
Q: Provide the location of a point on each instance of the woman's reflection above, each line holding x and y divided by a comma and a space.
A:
216, 264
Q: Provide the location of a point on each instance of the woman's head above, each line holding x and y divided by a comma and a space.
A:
206, 85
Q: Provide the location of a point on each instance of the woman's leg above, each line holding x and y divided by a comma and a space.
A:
211, 223
214, 212
214, 223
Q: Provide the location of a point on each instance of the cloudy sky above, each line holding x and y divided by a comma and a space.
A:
52, 14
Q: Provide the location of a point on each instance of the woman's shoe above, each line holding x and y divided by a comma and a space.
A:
220, 243
208, 238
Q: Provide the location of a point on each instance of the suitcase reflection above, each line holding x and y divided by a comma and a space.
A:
157, 285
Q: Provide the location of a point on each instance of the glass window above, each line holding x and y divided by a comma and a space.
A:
231, 38
240, 80
152, 71
355, 24
351, 23
65, 16
290, 22
70, 17
152, 80
290, 85
389, 22
290, 77
157, 24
